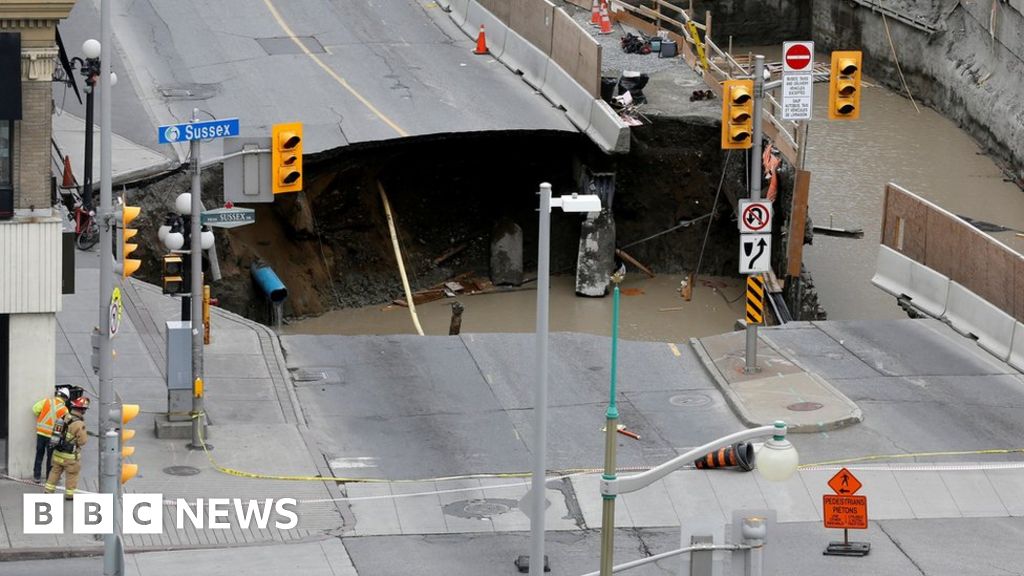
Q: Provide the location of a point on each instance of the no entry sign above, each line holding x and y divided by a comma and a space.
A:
797, 56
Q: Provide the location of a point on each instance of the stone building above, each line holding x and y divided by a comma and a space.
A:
30, 228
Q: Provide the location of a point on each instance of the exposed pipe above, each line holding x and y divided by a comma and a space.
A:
398, 256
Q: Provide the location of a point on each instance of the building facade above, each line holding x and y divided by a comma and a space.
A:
30, 228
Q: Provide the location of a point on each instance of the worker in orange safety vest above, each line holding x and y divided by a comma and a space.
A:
47, 411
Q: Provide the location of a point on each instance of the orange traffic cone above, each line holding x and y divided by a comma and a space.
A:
740, 454
595, 13
481, 42
606, 22
69, 179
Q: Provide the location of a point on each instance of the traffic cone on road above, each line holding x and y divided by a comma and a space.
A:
739, 454
69, 178
606, 22
481, 42
595, 13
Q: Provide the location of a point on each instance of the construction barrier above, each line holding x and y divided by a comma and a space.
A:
534, 20
477, 16
524, 58
1017, 348
892, 271
898, 275
606, 128
457, 11
501, 9
577, 52
971, 315
561, 88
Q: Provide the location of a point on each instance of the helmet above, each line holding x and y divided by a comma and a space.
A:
80, 403
63, 391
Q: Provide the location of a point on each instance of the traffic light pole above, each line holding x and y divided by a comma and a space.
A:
755, 189
196, 263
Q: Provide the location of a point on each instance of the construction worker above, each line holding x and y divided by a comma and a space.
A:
68, 451
47, 411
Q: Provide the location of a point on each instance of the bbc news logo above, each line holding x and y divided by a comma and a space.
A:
143, 513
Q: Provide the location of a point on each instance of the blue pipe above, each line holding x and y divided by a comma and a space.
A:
269, 283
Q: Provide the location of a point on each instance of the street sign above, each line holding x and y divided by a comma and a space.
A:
228, 217
797, 80
116, 307
845, 512
797, 57
797, 96
755, 216
844, 483
189, 131
755, 253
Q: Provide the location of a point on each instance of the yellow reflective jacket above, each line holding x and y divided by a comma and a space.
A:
46, 410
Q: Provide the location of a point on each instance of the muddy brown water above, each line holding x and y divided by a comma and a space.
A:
850, 163
651, 309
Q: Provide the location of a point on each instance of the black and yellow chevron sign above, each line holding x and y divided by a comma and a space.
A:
755, 300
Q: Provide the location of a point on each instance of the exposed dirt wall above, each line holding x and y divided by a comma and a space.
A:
969, 70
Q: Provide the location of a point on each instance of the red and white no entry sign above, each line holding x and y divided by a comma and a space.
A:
798, 56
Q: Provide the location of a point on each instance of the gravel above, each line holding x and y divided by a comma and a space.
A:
613, 59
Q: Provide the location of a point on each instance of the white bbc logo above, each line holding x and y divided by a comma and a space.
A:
92, 514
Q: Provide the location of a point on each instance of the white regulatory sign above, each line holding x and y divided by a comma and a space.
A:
755, 216
755, 253
797, 96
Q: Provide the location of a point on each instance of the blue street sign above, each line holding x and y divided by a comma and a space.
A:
197, 130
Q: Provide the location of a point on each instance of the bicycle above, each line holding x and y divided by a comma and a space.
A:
87, 232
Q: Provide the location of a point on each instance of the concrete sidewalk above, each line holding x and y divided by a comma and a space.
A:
253, 424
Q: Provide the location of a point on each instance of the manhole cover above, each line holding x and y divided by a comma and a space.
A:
690, 400
804, 406
181, 470
480, 508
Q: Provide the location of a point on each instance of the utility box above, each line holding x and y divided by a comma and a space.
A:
179, 370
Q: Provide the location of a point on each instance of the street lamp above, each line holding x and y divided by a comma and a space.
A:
90, 70
573, 203
776, 461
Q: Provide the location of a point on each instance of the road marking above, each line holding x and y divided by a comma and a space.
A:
674, 349
354, 462
341, 81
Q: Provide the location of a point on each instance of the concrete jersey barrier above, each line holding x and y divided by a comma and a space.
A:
926, 289
971, 315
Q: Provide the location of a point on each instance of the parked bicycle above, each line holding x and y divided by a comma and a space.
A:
87, 233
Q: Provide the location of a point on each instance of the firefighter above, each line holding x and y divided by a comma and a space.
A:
48, 411
68, 452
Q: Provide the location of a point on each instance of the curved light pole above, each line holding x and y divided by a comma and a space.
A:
776, 461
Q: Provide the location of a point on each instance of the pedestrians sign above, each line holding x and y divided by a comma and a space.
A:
797, 56
228, 217
755, 253
845, 512
844, 483
189, 131
755, 216
797, 80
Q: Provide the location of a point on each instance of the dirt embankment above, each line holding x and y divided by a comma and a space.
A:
331, 245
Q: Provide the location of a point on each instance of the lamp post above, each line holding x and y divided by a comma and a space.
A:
90, 70
776, 461
573, 203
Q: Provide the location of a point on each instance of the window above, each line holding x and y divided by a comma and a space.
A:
6, 154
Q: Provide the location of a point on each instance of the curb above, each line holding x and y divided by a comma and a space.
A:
740, 410
63, 552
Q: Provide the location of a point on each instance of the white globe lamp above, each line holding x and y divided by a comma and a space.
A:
183, 203
206, 238
91, 48
777, 460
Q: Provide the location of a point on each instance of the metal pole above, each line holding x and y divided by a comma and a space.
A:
611, 427
107, 444
540, 399
196, 254
755, 190
87, 199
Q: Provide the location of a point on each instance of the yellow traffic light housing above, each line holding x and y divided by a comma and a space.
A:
127, 266
286, 158
844, 86
173, 274
737, 114
128, 413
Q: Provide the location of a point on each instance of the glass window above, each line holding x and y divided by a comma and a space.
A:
6, 153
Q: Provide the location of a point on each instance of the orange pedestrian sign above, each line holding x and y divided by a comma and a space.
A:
845, 511
844, 483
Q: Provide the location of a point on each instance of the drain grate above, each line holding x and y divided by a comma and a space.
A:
804, 406
480, 508
181, 470
304, 375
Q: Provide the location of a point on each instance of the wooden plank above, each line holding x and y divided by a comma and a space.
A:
501, 9
534, 20
999, 273
798, 222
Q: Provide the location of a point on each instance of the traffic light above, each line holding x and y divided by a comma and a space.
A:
286, 158
128, 413
844, 86
173, 274
125, 265
737, 114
